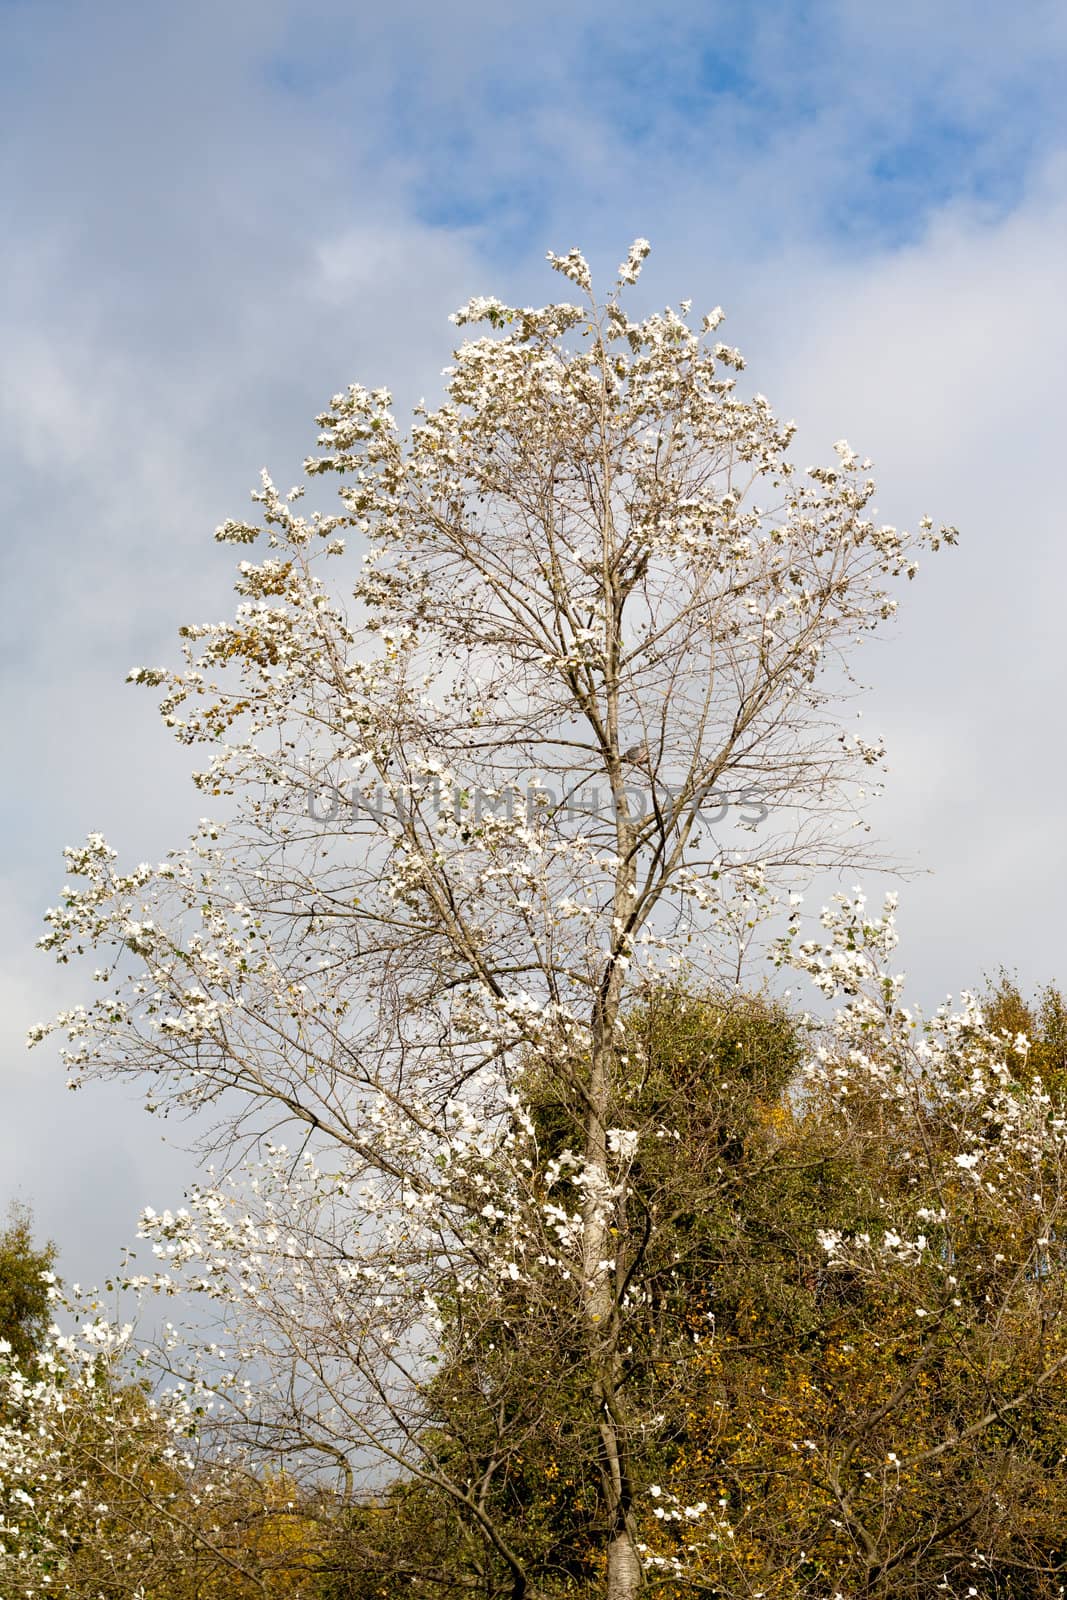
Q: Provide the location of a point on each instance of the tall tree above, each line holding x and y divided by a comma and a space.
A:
596, 599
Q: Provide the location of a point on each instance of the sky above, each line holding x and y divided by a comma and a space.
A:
218, 215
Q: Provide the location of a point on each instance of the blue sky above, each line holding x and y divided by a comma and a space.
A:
216, 216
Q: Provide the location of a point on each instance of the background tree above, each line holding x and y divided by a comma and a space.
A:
596, 596
1037, 1030
851, 1338
110, 1493
26, 1270
704, 1074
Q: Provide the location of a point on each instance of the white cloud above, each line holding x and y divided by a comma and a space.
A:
216, 219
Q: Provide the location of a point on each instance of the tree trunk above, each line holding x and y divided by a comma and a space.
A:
601, 1210
624, 1568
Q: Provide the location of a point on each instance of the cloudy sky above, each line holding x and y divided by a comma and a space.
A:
217, 215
